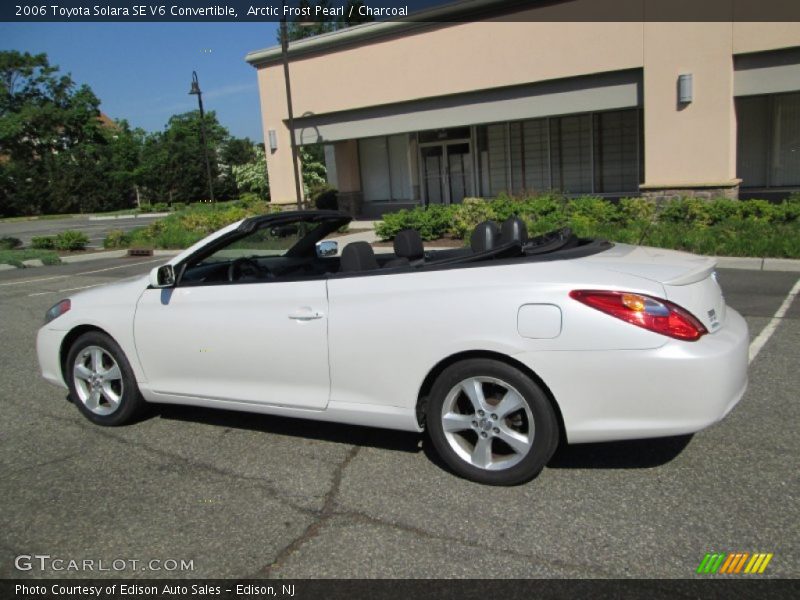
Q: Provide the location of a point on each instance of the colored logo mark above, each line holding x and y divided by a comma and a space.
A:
734, 563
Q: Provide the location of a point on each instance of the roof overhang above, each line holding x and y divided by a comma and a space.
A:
464, 10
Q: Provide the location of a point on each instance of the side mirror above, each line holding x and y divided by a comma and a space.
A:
162, 277
327, 248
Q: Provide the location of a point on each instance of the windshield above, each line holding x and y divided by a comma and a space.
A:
277, 249
277, 240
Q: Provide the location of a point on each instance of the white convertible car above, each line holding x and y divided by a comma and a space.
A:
499, 350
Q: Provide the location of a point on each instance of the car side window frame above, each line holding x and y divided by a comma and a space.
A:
303, 245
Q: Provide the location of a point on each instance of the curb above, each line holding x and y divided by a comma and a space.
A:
75, 258
758, 264
100, 217
133, 216
78, 258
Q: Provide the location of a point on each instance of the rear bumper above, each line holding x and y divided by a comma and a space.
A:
679, 388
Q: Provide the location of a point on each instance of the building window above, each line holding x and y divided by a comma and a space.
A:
617, 167
577, 154
530, 155
385, 168
492, 151
768, 144
571, 154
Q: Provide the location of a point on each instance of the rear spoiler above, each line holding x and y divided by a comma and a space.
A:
702, 271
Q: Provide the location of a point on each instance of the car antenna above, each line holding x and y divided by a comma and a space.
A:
647, 227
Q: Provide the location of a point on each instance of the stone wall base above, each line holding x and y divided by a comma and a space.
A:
703, 193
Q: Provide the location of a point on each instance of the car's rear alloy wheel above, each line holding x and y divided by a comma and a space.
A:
100, 380
491, 423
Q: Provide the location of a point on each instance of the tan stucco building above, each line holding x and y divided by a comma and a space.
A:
422, 113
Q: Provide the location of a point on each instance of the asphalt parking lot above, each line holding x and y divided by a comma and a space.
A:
255, 496
95, 229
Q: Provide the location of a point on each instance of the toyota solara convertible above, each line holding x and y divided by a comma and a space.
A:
500, 350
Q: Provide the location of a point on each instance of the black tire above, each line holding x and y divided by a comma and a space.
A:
130, 403
496, 380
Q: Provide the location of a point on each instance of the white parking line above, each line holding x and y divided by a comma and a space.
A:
83, 287
147, 262
769, 329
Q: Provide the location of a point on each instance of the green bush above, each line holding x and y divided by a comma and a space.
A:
432, 222
178, 206
145, 207
160, 207
43, 242
467, 215
116, 238
324, 197
184, 228
592, 210
248, 199
9, 243
71, 240
721, 226
15, 257
790, 208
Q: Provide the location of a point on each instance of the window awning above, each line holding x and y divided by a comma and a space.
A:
767, 73
606, 91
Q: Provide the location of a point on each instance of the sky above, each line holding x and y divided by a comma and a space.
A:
142, 72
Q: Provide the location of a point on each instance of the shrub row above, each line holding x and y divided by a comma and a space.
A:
16, 257
721, 226
66, 240
9, 243
189, 225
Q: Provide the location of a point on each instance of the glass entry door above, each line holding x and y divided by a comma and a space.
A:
447, 172
433, 174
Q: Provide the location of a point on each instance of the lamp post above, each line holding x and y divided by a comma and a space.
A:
195, 91
285, 52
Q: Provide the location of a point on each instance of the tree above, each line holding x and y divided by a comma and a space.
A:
238, 151
303, 27
313, 167
251, 177
121, 165
56, 155
173, 168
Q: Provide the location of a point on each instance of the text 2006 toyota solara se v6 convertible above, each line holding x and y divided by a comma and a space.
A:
499, 350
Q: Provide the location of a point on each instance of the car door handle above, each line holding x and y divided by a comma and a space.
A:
305, 315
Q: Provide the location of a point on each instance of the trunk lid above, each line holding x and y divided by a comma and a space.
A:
688, 280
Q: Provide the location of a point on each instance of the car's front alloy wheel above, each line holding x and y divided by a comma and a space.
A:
491, 423
100, 380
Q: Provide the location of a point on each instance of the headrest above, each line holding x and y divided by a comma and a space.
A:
357, 256
485, 236
513, 230
408, 244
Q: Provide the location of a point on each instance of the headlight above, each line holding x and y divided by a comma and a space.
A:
57, 310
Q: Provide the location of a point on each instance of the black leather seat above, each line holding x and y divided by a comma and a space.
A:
408, 249
357, 256
485, 237
485, 243
513, 229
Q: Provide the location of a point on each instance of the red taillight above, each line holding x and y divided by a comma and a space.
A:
647, 312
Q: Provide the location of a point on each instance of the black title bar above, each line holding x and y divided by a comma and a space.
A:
139, 11
225, 589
